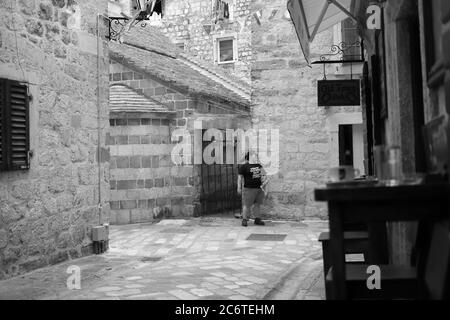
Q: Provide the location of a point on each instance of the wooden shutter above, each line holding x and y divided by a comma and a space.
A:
15, 125
350, 38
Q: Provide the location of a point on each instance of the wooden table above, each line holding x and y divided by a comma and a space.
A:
377, 204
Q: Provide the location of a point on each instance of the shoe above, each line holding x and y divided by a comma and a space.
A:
238, 216
244, 223
259, 222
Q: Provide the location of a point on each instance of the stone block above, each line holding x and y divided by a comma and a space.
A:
126, 184
134, 140
155, 161
127, 76
123, 217
142, 204
159, 91
45, 11
181, 105
122, 162
134, 122
128, 204
146, 140
141, 184
146, 161
159, 183
121, 140
135, 216
149, 183
136, 162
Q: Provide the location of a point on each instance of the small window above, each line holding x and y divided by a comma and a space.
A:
351, 39
225, 49
14, 126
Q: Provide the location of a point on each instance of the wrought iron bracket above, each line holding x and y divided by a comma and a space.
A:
116, 24
338, 54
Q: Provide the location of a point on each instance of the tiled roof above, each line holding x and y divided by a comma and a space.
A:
125, 99
149, 51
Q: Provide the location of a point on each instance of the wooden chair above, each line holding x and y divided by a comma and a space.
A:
356, 242
429, 279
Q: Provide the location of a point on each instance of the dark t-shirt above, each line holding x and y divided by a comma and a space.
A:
252, 175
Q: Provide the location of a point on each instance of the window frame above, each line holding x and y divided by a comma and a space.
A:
217, 39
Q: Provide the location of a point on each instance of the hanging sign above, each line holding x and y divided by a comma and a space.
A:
335, 93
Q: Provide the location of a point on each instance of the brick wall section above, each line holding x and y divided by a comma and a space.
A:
184, 21
46, 213
174, 98
285, 98
144, 183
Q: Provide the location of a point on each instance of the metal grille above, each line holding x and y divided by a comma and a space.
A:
219, 187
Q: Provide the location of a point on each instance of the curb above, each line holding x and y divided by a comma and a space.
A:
280, 281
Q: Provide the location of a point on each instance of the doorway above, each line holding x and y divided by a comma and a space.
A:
351, 146
219, 186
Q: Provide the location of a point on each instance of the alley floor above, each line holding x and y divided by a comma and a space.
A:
196, 259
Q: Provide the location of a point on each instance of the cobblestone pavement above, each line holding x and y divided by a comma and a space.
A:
204, 258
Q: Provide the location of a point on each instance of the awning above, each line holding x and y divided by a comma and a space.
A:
313, 16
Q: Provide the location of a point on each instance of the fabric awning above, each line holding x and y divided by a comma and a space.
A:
313, 16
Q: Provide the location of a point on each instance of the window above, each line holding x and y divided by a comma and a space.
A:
225, 49
350, 38
14, 126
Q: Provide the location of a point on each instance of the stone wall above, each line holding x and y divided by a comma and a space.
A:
285, 98
145, 182
46, 213
192, 22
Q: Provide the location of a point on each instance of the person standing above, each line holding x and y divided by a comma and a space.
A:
250, 182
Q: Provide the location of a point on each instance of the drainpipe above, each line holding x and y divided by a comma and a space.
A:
100, 207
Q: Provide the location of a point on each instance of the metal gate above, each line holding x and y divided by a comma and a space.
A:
219, 188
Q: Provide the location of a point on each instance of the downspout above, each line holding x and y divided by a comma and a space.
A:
100, 207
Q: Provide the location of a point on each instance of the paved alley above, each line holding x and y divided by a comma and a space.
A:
197, 259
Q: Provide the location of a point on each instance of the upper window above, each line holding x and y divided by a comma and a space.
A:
225, 49
351, 39
14, 126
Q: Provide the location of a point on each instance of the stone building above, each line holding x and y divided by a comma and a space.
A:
217, 31
156, 90
54, 181
284, 97
284, 89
